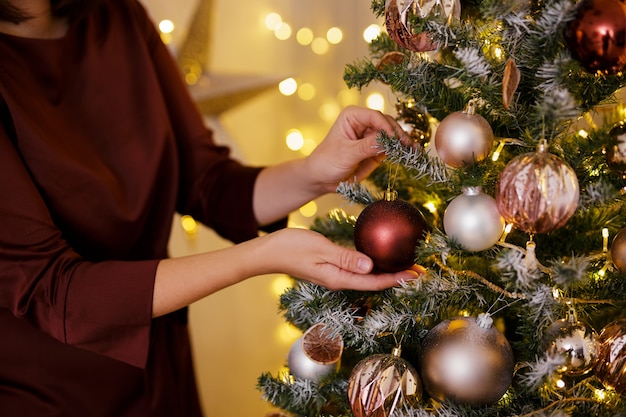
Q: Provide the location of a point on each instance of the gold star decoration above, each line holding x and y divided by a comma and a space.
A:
214, 93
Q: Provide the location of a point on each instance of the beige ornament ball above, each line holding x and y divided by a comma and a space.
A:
464, 138
467, 361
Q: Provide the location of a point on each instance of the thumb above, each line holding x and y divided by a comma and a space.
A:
354, 261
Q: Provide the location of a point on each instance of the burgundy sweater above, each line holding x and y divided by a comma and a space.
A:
100, 144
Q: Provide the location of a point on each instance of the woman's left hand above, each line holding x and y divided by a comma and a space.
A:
350, 150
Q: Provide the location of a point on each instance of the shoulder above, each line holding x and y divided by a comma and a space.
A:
132, 14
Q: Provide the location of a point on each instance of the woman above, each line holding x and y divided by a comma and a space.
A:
100, 145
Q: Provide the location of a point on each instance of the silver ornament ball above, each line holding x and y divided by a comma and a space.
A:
303, 367
573, 340
473, 220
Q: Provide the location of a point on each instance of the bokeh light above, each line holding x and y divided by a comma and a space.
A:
329, 111
288, 86
306, 91
320, 46
375, 101
282, 31
334, 35
273, 20
304, 36
166, 26
294, 140
371, 32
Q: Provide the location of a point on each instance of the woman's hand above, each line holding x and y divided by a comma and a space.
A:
310, 256
350, 150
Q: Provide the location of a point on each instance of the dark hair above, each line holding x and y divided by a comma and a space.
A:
71, 9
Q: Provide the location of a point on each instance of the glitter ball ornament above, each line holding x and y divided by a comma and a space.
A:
473, 220
466, 360
618, 251
616, 150
610, 365
316, 354
597, 36
575, 341
388, 231
463, 138
381, 384
537, 192
398, 14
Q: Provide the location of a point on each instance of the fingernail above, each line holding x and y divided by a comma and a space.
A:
364, 264
410, 275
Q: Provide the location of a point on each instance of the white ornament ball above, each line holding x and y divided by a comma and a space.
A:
463, 138
303, 367
473, 220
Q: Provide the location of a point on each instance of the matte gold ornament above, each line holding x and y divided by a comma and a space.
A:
473, 220
575, 341
397, 17
537, 192
618, 251
316, 354
464, 138
467, 361
610, 365
381, 384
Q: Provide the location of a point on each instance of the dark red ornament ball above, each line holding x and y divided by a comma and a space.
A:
616, 150
597, 36
388, 232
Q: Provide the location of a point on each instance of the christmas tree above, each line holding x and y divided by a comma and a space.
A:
513, 197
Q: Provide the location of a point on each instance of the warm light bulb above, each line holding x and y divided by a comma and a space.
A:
334, 35
166, 26
304, 36
280, 284
430, 206
306, 91
371, 32
583, 133
288, 86
375, 101
347, 97
189, 225
560, 383
282, 31
294, 140
329, 111
272, 20
320, 46
287, 333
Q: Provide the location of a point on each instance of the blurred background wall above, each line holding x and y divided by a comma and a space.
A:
251, 48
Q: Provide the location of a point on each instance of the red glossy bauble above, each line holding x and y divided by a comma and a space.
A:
616, 150
597, 36
388, 231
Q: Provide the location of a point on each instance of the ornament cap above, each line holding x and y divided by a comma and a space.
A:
397, 351
472, 190
391, 195
542, 146
470, 108
484, 320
